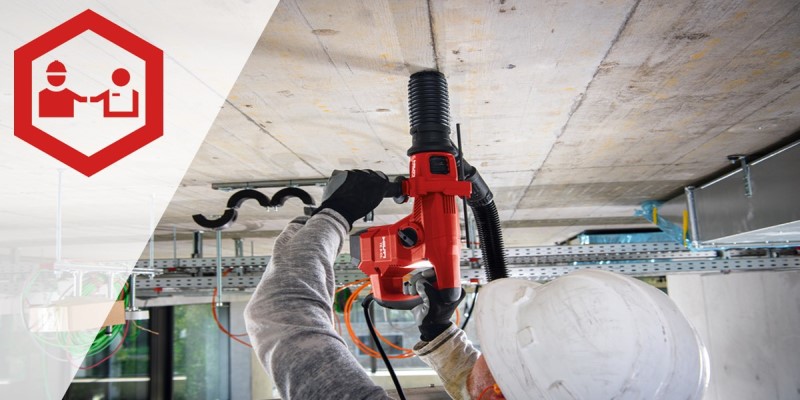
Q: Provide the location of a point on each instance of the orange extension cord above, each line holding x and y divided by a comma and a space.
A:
364, 283
219, 324
406, 353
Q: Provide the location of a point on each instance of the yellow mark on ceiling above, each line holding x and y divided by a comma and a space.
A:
710, 44
783, 55
628, 124
780, 58
735, 84
671, 82
322, 107
569, 89
324, 32
607, 144
739, 15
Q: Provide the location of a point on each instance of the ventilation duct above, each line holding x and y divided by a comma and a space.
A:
757, 205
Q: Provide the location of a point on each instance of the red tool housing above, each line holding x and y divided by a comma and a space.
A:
431, 234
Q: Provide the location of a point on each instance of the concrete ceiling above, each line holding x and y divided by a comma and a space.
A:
575, 112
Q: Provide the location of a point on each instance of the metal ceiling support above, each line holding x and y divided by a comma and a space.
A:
516, 255
166, 283
174, 242
228, 186
539, 263
748, 183
219, 269
133, 313
694, 229
209, 262
197, 244
238, 247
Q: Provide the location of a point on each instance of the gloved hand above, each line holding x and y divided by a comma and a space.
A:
353, 193
433, 314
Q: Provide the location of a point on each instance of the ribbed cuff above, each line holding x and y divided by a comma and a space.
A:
328, 212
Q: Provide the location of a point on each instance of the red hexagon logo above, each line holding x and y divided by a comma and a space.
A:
64, 124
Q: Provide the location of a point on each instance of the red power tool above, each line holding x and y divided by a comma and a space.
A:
431, 234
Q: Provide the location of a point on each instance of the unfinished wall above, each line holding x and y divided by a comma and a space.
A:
750, 323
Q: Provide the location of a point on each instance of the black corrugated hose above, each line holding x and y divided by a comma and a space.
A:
488, 223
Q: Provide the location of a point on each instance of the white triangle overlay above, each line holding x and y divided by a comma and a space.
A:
106, 219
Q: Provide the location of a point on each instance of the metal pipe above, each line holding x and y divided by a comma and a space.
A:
197, 243
694, 228
238, 246
175, 245
745, 167
132, 293
75, 286
748, 183
227, 186
79, 274
219, 268
152, 231
111, 285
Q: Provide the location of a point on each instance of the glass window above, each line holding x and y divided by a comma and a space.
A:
201, 364
125, 375
200, 360
397, 326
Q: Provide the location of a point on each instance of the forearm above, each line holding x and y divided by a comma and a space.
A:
452, 356
289, 316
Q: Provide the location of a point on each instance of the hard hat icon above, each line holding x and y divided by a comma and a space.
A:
56, 73
56, 67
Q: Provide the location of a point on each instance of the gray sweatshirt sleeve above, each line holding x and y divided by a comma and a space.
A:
452, 356
289, 317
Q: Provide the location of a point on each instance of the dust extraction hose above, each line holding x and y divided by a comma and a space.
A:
488, 223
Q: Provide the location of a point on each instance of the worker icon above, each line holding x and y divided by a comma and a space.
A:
122, 101
58, 103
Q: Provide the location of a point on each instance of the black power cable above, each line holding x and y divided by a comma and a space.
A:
471, 307
366, 304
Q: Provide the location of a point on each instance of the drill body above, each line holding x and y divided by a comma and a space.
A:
430, 235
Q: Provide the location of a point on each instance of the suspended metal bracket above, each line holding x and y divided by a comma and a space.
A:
742, 160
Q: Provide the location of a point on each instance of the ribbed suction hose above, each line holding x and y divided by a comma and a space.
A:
488, 223
429, 113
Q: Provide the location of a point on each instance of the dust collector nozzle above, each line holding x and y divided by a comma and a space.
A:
429, 113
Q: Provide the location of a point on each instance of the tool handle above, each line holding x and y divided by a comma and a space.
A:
395, 191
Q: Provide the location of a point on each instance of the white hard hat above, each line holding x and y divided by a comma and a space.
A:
589, 335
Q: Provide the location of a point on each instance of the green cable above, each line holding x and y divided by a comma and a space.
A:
75, 342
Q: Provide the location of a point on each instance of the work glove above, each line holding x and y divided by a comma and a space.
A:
433, 314
353, 193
